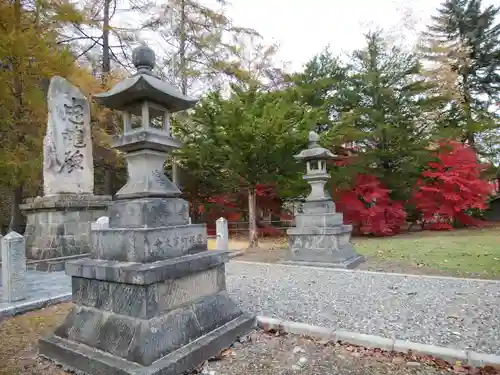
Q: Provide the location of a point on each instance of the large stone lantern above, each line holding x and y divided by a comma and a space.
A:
152, 299
320, 238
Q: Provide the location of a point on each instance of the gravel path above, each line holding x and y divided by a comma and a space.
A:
456, 313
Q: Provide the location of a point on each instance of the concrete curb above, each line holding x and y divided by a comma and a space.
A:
236, 253
33, 305
474, 359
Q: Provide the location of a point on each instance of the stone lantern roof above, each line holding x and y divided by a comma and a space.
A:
144, 85
314, 151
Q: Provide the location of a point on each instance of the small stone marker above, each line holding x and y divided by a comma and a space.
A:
13, 267
222, 241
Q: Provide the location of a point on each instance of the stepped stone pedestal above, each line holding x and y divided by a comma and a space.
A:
320, 238
59, 225
152, 299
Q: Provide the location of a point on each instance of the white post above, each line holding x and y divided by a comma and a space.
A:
13, 267
103, 222
100, 223
222, 240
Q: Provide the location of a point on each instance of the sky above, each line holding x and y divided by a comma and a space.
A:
304, 28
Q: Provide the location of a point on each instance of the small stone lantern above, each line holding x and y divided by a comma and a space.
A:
152, 298
316, 175
320, 237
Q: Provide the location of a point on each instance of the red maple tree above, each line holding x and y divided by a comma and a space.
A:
370, 209
451, 186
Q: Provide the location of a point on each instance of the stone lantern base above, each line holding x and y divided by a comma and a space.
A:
321, 239
151, 300
59, 225
154, 319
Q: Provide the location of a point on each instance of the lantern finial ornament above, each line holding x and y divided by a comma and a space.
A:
313, 139
143, 58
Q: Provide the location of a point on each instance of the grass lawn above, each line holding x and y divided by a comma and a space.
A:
464, 252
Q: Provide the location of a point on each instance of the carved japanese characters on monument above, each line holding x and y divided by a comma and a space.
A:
67, 153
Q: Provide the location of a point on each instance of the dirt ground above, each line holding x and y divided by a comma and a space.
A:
18, 341
267, 354
258, 353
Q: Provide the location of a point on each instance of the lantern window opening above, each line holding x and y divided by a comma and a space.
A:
313, 165
146, 114
131, 122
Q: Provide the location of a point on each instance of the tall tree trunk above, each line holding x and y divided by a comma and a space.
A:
109, 173
182, 48
253, 240
108, 180
106, 63
182, 72
469, 135
16, 217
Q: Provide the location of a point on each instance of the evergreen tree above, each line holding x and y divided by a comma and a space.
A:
387, 128
322, 85
249, 139
463, 47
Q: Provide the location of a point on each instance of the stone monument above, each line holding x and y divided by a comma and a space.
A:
68, 165
58, 224
152, 298
319, 237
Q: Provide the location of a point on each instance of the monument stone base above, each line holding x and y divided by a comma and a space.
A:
155, 318
320, 239
347, 265
59, 225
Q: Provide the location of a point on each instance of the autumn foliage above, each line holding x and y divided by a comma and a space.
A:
369, 208
445, 194
451, 187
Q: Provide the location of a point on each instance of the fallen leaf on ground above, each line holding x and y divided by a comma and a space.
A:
223, 354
